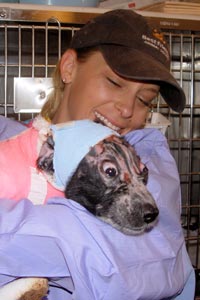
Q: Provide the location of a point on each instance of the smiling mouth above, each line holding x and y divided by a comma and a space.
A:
101, 119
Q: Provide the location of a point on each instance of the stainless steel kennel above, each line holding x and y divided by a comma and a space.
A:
34, 37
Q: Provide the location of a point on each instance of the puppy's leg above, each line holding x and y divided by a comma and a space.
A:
25, 289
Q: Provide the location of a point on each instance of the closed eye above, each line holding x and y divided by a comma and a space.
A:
113, 82
147, 104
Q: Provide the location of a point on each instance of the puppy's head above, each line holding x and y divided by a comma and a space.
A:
110, 182
108, 179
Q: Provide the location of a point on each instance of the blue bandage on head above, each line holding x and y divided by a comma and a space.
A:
73, 140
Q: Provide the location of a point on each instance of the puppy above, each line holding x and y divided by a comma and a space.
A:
110, 182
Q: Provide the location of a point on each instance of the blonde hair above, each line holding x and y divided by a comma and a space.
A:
51, 105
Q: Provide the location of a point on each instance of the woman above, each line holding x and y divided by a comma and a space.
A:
115, 66
127, 64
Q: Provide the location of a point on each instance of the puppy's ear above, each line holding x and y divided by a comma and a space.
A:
45, 158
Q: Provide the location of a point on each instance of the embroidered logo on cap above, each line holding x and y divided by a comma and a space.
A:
159, 36
157, 42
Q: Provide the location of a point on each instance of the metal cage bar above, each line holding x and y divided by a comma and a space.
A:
184, 134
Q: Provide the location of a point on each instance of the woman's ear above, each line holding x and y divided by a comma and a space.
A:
67, 65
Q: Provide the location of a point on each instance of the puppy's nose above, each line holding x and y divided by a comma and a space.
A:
150, 214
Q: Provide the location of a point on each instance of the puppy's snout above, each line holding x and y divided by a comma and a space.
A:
150, 213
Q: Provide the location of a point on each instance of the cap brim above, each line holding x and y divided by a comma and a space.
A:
133, 64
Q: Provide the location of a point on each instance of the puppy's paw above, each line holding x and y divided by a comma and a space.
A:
38, 289
25, 289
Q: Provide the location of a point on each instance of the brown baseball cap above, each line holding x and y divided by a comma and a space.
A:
133, 49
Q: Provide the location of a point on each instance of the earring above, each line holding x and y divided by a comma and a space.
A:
63, 80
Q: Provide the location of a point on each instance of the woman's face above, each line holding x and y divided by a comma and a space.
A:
93, 91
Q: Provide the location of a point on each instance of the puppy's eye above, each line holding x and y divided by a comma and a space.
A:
110, 169
145, 172
142, 179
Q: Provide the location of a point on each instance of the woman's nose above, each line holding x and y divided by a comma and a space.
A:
125, 107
